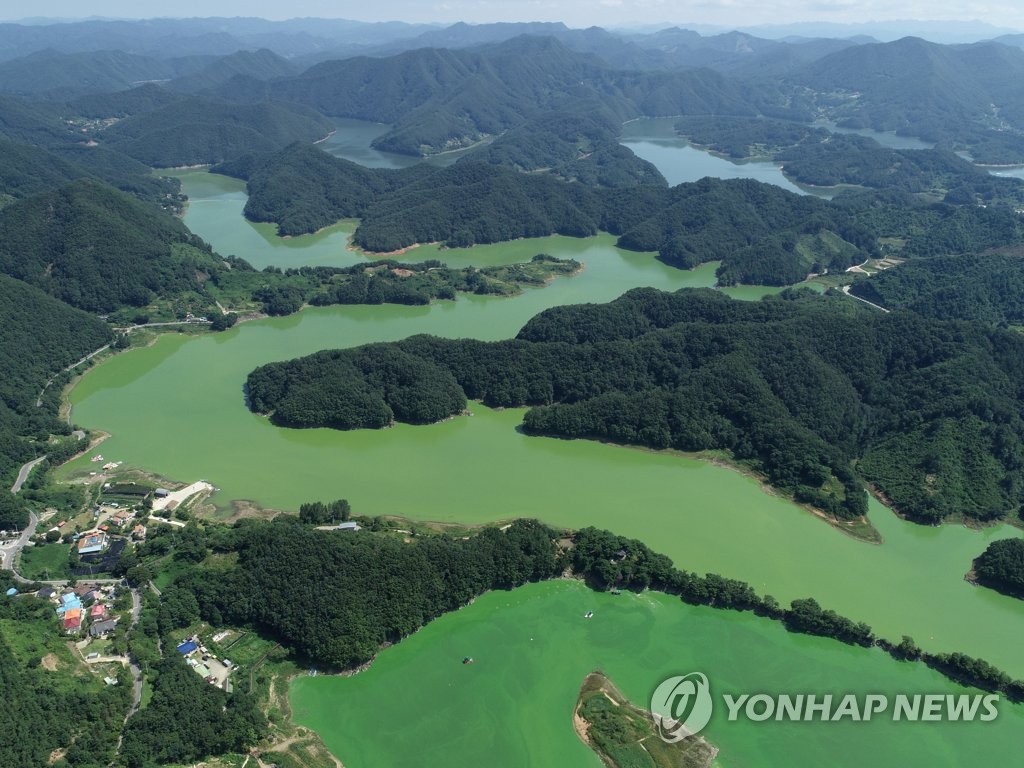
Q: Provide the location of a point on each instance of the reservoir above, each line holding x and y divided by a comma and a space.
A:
656, 141
419, 706
177, 408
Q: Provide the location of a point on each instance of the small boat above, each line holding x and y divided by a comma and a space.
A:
468, 660
588, 615
616, 591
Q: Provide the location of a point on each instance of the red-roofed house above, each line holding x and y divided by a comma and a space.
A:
73, 620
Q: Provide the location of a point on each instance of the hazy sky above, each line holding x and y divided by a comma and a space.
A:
731, 13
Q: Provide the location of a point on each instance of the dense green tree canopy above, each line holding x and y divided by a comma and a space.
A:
196, 130
39, 336
336, 597
96, 248
1001, 566
988, 287
188, 720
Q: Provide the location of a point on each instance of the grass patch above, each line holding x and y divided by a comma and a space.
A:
45, 562
246, 650
167, 571
32, 639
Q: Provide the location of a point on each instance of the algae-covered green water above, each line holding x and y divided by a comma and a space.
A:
418, 705
177, 408
214, 213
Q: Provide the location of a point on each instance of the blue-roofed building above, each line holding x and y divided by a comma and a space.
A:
186, 648
12, 591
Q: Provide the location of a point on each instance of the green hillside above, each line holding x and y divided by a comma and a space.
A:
438, 99
578, 145
988, 287
196, 131
303, 189
261, 65
96, 248
144, 98
32, 123
27, 170
55, 75
959, 96
39, 336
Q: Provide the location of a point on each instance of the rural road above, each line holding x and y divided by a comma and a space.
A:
846, 290
90, 356
132, 662
166, 521
9, 554
23, 474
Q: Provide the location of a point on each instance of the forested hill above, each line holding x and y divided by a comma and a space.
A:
27, 170
438, 99
760, 232
261, 64
813, 392
960, 96
133, 101
577, 145
32, 123
54, 75
821, 158
96, 248
39, 336
195, 131
988, 287
303, 189
285, 571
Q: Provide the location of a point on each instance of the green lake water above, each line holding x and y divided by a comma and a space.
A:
177, 408
418, 705
215, 213
656, 141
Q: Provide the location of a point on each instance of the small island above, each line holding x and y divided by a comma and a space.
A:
623, 735
1001, 567
386, 281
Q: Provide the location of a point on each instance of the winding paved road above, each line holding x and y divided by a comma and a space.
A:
24, 472
90, 356
9, 554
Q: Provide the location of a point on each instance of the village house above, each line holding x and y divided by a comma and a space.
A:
101, 628
93, 541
